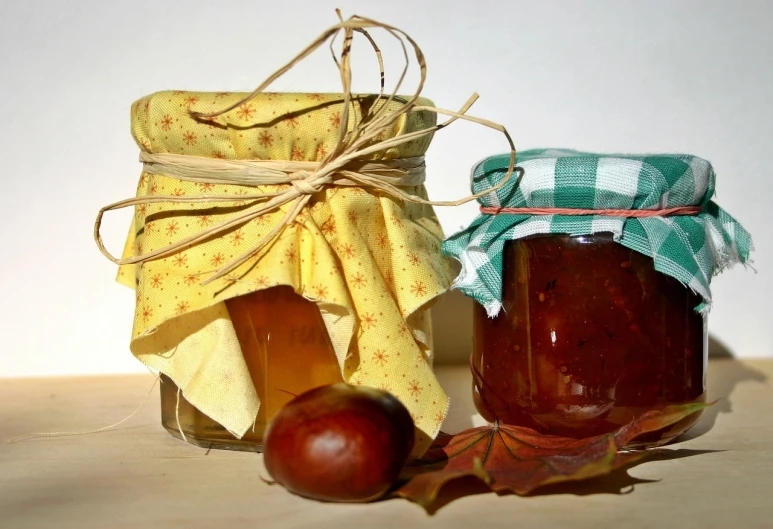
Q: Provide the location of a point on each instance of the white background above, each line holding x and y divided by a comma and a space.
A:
625, 76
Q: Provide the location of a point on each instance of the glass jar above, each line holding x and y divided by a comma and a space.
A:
590, 337
345, 250
287, 350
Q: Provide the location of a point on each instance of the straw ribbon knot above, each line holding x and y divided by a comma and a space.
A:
300, 182
347, 164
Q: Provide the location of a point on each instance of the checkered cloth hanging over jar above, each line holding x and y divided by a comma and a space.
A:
690, 248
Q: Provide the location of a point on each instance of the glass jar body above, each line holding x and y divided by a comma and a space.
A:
287, 350
590, 337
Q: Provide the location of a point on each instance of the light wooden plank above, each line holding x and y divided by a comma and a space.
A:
138, 476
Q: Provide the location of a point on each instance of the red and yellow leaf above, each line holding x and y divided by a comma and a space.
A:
519, 460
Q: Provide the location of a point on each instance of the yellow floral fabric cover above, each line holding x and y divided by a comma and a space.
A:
370, 263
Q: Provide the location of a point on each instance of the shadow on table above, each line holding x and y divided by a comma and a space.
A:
724, 374
618, 482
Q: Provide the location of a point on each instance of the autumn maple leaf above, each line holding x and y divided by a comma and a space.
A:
518, 459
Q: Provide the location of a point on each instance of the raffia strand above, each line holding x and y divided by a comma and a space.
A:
344, 165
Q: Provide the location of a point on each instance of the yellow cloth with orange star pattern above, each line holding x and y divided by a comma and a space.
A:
372, 264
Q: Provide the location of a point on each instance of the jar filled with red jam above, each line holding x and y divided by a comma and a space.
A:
591, 274
590, 336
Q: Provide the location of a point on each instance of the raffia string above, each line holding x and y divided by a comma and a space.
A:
401, 172
38, 435
344, 165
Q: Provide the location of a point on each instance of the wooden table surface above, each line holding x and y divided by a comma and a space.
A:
137, 476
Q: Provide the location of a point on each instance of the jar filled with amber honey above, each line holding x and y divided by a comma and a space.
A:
592, 276
268, 259
287, 351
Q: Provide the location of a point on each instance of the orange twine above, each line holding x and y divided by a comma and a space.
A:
628, 213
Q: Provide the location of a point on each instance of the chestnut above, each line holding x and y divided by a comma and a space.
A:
339, 443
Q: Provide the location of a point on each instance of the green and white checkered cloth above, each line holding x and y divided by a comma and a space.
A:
689, 248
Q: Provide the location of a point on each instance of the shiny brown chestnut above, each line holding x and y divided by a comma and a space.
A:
339, 443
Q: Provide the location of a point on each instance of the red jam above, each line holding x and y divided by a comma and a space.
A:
590, 337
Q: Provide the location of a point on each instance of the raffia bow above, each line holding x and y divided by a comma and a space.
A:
345, 165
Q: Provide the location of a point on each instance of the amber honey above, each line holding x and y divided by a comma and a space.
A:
287, 350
